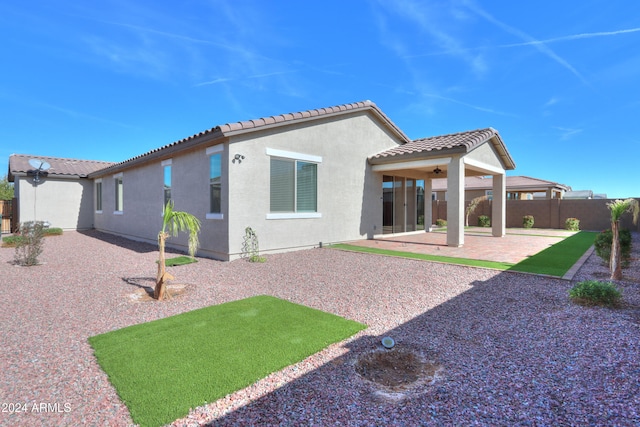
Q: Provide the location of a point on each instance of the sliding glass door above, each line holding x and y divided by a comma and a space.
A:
399, 200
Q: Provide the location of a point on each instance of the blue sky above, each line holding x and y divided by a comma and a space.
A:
110, 80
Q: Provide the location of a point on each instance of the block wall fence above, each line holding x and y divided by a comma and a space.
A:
594, 215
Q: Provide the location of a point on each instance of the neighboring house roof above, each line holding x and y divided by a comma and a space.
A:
72, 168
231, 129
461, 142
513, 183
579, 194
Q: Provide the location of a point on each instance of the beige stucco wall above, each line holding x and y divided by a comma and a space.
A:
141, 217
486, 154
65, 203
349, 193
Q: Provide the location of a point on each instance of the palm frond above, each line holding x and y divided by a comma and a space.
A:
175, 222
619, 207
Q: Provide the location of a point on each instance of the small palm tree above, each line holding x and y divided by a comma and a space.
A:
472, 207
173, 223
619, 207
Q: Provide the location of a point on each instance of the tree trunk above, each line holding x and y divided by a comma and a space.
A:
159, 291
615, 262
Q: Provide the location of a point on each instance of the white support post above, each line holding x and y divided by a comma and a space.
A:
499, 206
428, 205
455, 203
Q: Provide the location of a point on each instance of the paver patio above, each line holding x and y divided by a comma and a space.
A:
516, 245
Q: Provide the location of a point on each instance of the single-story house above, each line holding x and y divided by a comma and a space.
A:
61, 193
298, 180
518, 188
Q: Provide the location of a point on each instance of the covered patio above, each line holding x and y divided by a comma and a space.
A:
473, 153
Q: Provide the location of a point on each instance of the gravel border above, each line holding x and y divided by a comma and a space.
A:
514, 349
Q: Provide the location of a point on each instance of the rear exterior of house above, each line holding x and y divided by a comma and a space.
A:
296, 182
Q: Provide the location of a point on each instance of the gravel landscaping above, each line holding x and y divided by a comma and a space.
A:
510, 348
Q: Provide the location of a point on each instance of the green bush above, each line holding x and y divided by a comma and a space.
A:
592, 292
12, 240
484, 221
29, 246
15, 239
572, 224
441, 222
603, 243
527, 221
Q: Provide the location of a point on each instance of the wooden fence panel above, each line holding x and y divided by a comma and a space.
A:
6, 211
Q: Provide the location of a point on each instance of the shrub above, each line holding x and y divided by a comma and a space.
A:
441, 222
603, 243
12, 240
593, 292
527, 221
52, 231
572, 224
250, 246
421, 220
484, 221
29, 245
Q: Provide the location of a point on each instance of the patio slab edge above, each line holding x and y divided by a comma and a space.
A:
573, 270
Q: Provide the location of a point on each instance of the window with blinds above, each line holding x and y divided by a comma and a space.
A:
294, 186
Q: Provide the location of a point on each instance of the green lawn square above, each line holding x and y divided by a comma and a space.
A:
163, 368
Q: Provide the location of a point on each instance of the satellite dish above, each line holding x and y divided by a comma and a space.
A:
39, 165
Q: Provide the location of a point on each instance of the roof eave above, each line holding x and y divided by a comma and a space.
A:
500, 146
406, 157
209, 137
368, 106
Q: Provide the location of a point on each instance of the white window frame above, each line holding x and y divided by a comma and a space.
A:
116, 177
164, 164
96, 182
216, 149
291, 155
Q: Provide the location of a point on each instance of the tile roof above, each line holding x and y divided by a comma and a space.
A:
466, 140
461, 142
19, 164
230, 129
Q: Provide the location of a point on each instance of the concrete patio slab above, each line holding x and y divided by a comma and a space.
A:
515, 246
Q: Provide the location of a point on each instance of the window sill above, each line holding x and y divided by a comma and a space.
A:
215, 216
294, 215
98, 212
117, 212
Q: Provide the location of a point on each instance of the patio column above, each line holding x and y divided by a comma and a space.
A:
428, 204
499, 206
455, 202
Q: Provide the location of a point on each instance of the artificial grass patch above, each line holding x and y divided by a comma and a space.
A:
426, 257
180, 260
557, 259
163, 368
